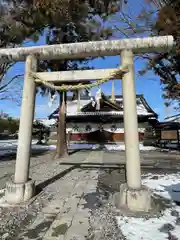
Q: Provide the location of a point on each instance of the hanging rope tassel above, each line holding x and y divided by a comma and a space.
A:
78, 101
113, 92
98, 99
63, 106
52, 100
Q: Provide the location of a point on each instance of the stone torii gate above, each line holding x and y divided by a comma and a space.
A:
132, 195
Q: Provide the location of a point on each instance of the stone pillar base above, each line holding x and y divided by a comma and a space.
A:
139, 200
17, 193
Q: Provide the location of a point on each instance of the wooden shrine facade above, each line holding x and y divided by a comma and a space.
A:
88, 121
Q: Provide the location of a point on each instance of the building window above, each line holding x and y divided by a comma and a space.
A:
76, 128
88, 128
100, 127
113, 128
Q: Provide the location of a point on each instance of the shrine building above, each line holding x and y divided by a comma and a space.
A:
100, 120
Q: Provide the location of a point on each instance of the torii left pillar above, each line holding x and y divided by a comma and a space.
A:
22, 188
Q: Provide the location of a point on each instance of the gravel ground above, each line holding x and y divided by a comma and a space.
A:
48, 175
14, 220
103, 225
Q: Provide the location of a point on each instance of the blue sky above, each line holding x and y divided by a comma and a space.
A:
148, 85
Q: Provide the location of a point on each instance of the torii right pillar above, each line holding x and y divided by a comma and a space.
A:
133, 196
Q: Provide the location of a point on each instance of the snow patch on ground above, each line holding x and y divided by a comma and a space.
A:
140, 228
121, 147
167, 186
10, 146
109, 147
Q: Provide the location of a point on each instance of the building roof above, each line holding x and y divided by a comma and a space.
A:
107, 107
174, 118
168, 125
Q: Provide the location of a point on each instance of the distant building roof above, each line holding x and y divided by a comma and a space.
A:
46, 121
168, 125
173, 118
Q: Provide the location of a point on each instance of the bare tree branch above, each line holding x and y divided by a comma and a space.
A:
3, 87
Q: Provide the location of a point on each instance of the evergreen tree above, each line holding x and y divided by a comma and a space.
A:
167, 65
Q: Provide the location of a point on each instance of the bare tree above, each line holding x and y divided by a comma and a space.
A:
11, 89
151, 21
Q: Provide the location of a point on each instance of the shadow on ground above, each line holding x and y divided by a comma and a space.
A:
49, 181
12, 156
174, 192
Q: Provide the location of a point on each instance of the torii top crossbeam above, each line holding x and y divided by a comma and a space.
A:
89, 49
